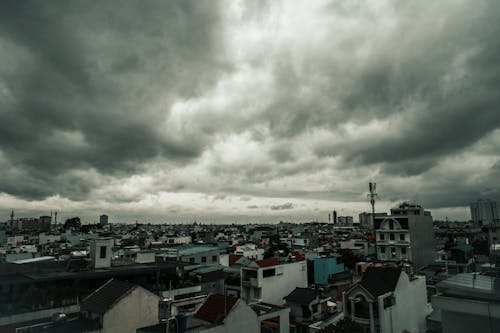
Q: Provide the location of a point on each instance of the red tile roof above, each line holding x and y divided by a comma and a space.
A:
213, 308
298, 256
234, 258
268, 262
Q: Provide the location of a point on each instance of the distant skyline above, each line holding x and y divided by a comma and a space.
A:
257, 110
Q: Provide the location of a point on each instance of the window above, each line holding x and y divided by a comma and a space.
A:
203, 259
250, 274
391, 236
403, 250
393, 252
382, 250
191, 259
391, 224
382, 236
402, 237
256, 293
389, 301
214, 258
269, 272
102, 253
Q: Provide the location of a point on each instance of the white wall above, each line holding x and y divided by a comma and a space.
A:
242, 319
137, 309
410, 309
276, 287
95, 251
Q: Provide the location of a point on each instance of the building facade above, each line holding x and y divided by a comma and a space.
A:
484, 211
270, 280
387, 299
406, 234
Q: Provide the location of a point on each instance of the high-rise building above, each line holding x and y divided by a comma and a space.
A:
103, 220
366, 221
484, 211
406, 234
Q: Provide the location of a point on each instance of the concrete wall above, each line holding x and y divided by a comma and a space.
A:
11, 257
95, 253
410, 310
464, 323
197, 257
421, 240
276, 287
137, 309
324, 267
467, 315
177, 293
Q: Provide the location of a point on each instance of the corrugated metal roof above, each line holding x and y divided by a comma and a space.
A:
470, 281
106, 296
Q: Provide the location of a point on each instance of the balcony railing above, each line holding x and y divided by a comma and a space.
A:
250, 282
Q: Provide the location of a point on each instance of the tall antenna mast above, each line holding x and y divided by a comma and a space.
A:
372, 195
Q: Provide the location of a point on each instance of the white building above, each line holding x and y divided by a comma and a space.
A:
250, 251
388, 300
270, 280
406, 234
100, 252
224, 314
121, 307
469, 302
484, 211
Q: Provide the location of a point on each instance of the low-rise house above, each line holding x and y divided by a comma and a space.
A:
387, 299
225, 314
307, 306
121, 307
117, 306
250, 251
270, 280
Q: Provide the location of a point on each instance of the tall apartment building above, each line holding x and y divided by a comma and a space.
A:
405, 234
484, 211
103, 219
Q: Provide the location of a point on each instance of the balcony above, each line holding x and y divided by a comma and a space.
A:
250, 282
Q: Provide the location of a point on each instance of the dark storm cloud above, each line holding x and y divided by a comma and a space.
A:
128, 101
438, 82
87, 85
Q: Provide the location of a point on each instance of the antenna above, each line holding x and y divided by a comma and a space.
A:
373, 195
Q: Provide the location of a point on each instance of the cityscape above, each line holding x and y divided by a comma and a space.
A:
238, 166
396, 271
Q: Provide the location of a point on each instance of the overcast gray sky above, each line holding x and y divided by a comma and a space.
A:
247, 109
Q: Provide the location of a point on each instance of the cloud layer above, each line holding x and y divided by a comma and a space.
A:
248, 108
